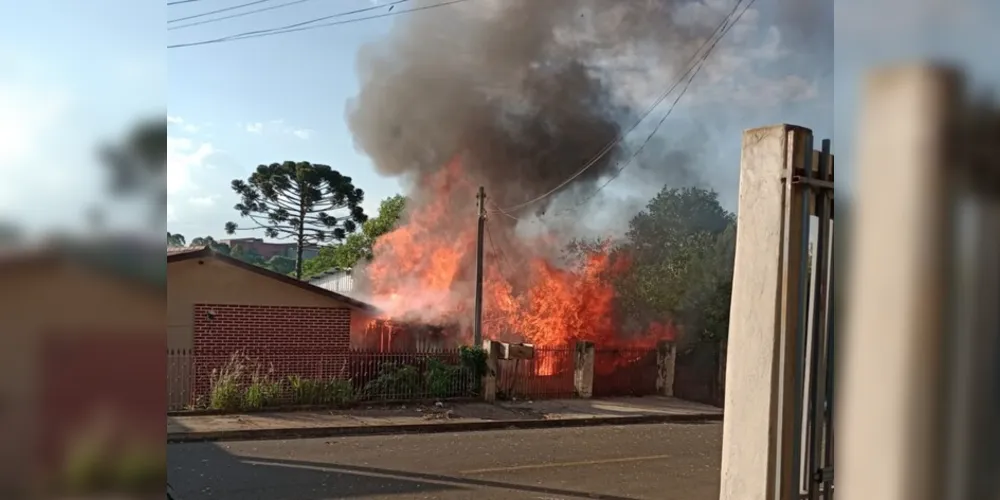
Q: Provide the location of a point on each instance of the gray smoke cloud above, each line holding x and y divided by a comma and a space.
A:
519, 89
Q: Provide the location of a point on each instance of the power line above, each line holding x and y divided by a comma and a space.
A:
621, 136
216, 11
239, 14
649, 137
503, 258
697, 69
289, 4
180, 2
303, 25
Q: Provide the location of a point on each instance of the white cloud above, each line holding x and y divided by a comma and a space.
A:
203, 201
276, 127
183, 156
184, 125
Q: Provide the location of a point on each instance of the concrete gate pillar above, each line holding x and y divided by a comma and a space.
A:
758, 425
490, 378
666, 367
583, 369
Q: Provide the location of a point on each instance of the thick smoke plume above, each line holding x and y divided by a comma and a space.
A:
516, 96
517, 88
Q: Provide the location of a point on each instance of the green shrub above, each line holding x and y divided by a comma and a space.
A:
443, 380
474, 361
317, 392
261, 393
243, 384
226, 392
394, 381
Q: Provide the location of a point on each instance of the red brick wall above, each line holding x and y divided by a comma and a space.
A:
305, 341
100, 379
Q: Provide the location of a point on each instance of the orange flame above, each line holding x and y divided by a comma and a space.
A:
424, 271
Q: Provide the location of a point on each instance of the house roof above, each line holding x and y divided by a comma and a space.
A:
128, 258
183, 254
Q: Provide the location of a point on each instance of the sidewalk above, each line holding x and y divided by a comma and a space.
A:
440, 417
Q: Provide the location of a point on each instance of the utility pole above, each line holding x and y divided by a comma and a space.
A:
477, 326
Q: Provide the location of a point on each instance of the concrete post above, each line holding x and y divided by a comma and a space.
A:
583, 370
666, 367
490, 378
888, 383
758, 427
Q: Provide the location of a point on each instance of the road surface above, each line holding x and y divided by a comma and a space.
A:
656, 462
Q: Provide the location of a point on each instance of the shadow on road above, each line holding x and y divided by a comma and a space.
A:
208, 471
205, 470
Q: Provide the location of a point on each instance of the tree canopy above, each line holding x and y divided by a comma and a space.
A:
681, 249
359, 245
176, 239
298, 201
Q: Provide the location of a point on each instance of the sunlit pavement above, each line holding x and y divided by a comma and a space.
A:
660, 461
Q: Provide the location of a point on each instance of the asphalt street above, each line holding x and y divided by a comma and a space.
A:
655, 462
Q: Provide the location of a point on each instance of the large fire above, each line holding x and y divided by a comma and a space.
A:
424, 271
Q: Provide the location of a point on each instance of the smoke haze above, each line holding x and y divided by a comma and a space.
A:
517, 88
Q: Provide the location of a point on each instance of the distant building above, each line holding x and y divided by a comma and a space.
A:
335, 280
269, 249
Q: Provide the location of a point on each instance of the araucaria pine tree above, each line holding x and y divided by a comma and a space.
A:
307, 203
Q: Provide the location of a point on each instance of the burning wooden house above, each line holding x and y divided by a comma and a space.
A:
386, 335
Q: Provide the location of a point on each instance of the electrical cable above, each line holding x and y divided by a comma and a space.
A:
303, 25
238, 14
722, 27
505, 264
217, 11
664, 117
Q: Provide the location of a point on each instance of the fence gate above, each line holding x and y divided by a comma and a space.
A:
624, 372
812, 360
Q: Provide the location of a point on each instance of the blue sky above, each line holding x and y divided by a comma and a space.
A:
72, 77
235, 105
98, 66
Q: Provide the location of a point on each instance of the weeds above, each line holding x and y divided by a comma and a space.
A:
318, 392
243, 384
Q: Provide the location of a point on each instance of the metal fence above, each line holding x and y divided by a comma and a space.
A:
699, 373
180, 378
548, 376
625, 372
245, 381
814, 335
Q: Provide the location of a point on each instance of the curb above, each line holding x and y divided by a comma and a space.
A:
486, 425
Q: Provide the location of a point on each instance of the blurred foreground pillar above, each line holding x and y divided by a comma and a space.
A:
889, 385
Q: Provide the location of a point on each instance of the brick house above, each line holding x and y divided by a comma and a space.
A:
82, 343
218, 305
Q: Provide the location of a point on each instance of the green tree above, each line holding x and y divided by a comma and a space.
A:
247, 254
296, 200
176, 239
208, 241
359, 245
280, 264
680, 249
